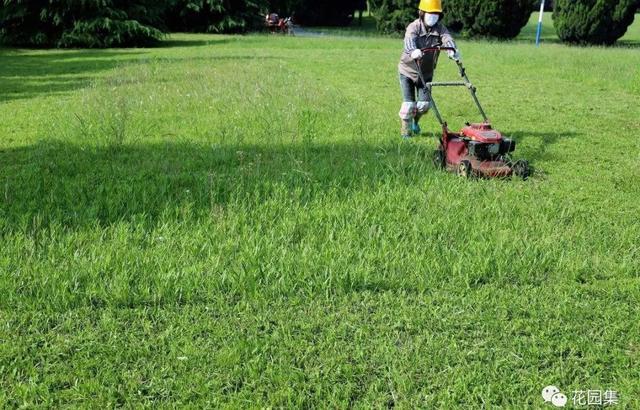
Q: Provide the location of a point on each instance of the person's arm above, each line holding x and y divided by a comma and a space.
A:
410, 41
447, 41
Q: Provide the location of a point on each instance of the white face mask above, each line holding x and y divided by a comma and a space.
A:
430, 19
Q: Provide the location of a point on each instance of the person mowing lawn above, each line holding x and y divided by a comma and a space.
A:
424, 32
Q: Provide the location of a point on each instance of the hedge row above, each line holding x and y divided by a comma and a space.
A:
593, 21
576, 21
118, 23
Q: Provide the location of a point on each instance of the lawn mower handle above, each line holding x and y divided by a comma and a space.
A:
424, 50
466, 83
458, 62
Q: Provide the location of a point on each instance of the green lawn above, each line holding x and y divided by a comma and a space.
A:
234, 221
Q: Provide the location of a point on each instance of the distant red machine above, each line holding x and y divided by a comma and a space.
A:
277, 24
477, 150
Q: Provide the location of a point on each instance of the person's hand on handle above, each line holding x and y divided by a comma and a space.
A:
416, 54
454, 55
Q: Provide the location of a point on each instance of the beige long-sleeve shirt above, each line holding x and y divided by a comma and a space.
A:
420, 36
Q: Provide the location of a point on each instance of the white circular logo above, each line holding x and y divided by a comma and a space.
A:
548, 392
559, 400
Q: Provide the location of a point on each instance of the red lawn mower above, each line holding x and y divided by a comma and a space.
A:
477, 150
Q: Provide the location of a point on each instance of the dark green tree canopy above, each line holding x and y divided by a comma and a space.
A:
593, 21
392, 16
214, 16
318, 13
80, 23
118, 23
488, 18
471, 18
121, 23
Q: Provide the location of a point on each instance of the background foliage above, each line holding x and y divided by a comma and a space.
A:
482, 18
324, 13
81, 23
214, 16
472, 18
119, 23
392, 16
593, 21
111, 23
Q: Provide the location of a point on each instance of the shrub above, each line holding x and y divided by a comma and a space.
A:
318, 13
79, 23
215, 16
472, 18
593, 21
21, 24
327, 13
488, 18
120, 23
393, 16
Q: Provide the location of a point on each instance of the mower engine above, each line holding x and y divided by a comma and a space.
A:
485, 143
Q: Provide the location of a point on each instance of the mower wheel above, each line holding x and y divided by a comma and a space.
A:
521, 169
438, 159
464, 169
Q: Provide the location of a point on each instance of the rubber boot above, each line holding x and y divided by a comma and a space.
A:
415, 127
405, 128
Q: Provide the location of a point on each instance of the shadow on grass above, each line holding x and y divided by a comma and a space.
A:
73, 186
217, 58
543, 141
622, 43
173, 42
31, 74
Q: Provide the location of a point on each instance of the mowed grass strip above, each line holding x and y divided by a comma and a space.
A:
234, 221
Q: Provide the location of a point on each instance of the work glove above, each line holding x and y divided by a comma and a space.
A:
454, 55
416, 54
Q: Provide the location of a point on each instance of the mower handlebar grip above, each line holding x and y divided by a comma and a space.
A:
437, 49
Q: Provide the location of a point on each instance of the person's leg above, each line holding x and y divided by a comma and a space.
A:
408, 107
422, 106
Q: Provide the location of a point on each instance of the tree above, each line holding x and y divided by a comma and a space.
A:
593, 21
79, 23
316, 12
122, 23
471, 18
488, 18
392, 16
215, 16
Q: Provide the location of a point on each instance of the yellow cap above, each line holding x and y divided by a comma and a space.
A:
431, 6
